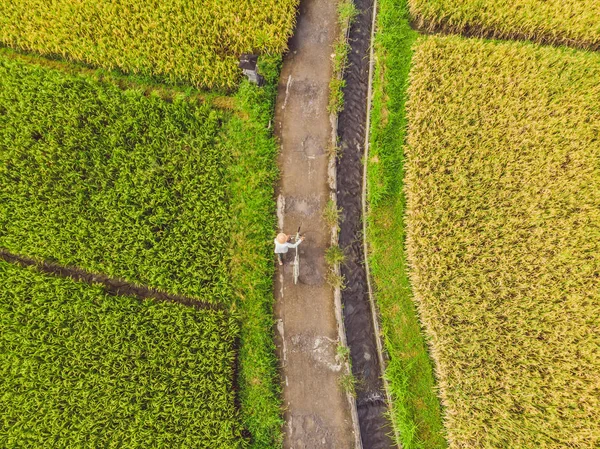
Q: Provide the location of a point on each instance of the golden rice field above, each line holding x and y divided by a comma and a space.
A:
192, 41
567, 22
503, 238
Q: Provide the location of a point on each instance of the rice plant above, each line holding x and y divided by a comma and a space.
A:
113, 181
192, 41
173, 195
503, 237
569, 22
84, 369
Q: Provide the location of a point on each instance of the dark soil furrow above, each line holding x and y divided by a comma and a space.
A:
112, 286
371, 403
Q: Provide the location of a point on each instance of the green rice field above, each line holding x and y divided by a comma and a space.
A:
80, 368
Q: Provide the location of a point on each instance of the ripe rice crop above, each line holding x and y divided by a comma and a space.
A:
113, 182
79, 368
192, 41
503, 237
568, 22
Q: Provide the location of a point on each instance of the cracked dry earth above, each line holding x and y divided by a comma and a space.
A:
316, 409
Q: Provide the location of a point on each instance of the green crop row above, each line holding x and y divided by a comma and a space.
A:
503, 237
82, 369
113, 181
193, 41
565, 22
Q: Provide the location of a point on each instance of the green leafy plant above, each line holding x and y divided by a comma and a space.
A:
331, 214
334, 255
347, 382
335, 280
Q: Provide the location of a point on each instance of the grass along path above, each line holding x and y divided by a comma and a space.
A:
416, 409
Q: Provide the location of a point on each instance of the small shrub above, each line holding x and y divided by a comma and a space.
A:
334, 255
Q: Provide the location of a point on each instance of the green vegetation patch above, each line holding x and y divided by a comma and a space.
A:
79, 368
416, 411
251, 178
567, 22
503, 237
169, 195
113, 181
191, 41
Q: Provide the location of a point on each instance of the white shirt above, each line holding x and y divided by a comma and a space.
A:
281, 248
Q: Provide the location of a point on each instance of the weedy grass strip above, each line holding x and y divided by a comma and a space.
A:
503, 237
250, 178
575, 23
193, 41
415, 406
80, 368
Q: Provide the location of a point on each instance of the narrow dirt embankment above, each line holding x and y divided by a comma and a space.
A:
375, 427
317, 410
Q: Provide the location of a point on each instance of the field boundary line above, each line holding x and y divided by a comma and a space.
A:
427, 27
112, 286
120, 80
374, 310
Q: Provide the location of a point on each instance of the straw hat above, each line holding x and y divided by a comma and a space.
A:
282, 238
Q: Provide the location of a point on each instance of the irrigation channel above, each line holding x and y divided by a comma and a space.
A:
375, 427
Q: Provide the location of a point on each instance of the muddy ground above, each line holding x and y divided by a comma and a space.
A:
375, 428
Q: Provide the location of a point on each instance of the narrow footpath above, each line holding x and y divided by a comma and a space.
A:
317, 410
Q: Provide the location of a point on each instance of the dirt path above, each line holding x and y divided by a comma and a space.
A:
317, 410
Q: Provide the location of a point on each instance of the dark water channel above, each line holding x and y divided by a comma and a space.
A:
371, 400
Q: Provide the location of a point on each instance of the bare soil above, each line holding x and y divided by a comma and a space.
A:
316, 409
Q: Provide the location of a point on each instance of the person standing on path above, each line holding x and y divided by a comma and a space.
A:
282, 244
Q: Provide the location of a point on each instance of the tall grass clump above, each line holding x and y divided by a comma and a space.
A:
80, 368
574, 23
189, 41
347, 13
415, 407
503, 237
